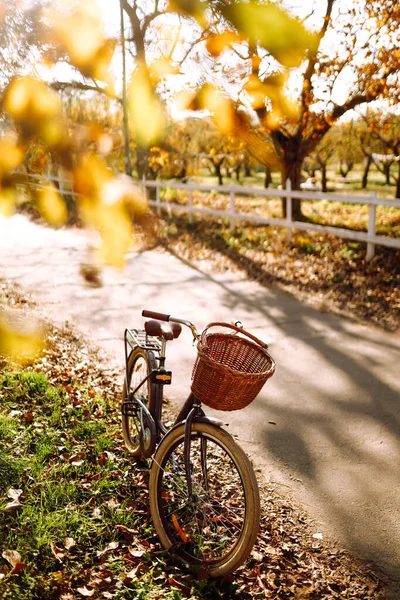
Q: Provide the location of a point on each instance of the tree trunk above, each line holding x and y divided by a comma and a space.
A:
142, 161
398, 181
345, 168
218, 173
247, 170
324, 178
291, 170
368, 164
237, 172
386, 171
267, 178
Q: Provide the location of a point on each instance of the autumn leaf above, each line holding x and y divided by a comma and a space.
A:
11, 556
14, 559
51, 205
69, 543
147, 119
267, 24
108, 548
218, 42
36, 111
81, 35
15, 503
86, 591
17, 344
58, 552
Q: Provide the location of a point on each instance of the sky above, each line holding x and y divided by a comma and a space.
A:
311, 10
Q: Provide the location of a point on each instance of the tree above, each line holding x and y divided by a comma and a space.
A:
365, 54
21, 35
344, 140
319, 159
384, 130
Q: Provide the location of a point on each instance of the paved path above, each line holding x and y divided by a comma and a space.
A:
326, 427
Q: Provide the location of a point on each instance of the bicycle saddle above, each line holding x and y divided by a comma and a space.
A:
168, 331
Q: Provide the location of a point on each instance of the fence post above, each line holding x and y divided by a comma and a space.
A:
190, 201
371, 227
232, 209
158, 200
144, 189
289, 217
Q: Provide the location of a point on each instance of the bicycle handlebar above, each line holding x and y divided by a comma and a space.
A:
155, 315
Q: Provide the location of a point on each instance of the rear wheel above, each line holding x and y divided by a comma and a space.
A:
135, 438
215, 529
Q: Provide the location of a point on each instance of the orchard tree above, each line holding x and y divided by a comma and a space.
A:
21, 39
349, 58
384, 131
343, 139
320, 158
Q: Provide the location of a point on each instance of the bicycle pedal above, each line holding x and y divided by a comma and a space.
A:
129, 409
161, 377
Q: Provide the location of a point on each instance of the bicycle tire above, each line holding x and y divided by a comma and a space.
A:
197, 531
139, 367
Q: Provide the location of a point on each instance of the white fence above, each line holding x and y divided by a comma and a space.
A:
371, 238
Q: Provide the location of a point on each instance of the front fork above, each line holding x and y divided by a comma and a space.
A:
196, 411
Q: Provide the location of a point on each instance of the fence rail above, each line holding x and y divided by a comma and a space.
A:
372, 200
370, 237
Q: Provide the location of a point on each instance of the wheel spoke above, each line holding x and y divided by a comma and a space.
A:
206, 526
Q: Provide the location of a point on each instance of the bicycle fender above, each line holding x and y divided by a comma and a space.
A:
211, 420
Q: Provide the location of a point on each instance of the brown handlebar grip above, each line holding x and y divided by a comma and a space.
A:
155, 315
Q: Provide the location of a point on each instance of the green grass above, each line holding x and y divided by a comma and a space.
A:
76, 482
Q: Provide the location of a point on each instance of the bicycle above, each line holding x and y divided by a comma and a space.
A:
204, 496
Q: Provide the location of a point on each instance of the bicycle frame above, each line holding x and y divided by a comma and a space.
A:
191, 409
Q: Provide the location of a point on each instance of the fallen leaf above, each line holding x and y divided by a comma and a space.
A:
132, 575
58, 552
12, 506
69, 543
136, 553
108, 548
14, 494
175, 583
128, 534
11, 556
77, 459
85, 591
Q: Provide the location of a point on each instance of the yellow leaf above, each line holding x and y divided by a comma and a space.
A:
271, 88
195, 8
273, 28
81, 35
17, 345
147, 118
36, 110
161, 67
220, 108
209, 98
7, 201
109, 204
218, 42
51, 205
10, 156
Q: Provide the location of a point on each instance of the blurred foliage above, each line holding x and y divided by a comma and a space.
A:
251, 47
19, 344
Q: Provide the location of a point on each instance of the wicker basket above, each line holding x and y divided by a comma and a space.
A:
230, 370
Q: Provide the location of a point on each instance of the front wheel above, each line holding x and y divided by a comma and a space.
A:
214, 529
